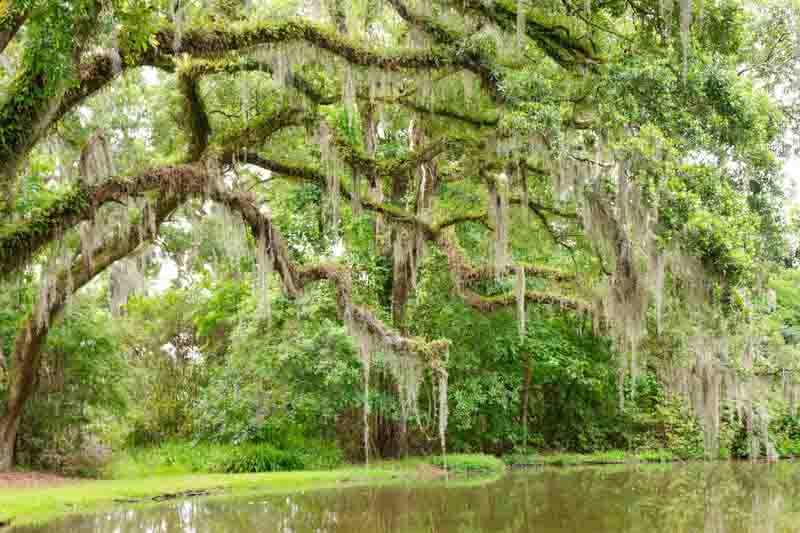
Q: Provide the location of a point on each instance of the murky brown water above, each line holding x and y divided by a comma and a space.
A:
712, 498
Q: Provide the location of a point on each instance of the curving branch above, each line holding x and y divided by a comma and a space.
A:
313, 175
32, 333
20, 241
295, 278
219, 40
201, 67
256, 132
354, 157
213, 44
29, 106
488, 304
466, 273
231, 65
340, 276
469, 120
398, 215
478, 216
95, 73
555, 41
471, 59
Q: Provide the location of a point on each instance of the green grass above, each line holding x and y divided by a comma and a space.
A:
469, 464
37, 505
186, 458
597, 458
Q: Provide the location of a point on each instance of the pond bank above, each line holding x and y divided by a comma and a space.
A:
30, 505
610, 457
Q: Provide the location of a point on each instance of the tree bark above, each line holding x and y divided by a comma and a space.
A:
25, 364
8, 437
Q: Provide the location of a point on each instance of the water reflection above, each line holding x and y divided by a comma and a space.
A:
719, 498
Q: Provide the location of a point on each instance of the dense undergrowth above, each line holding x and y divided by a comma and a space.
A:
187, 458
284, 402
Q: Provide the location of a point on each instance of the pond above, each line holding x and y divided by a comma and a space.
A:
712, 498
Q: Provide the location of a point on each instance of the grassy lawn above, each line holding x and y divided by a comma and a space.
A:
37, 505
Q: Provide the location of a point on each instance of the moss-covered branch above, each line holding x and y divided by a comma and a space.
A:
30, 104
488, 304
466, 273
294, 279
472, 59
443, 112
195, 118
22, 240
257, 131
556, 41
326, 95
313, 175
200, 67
28, 113
478, 216
216, 41
355, 158
13, 14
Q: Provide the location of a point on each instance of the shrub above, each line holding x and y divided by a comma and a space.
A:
252, 458
786, 430
469, 464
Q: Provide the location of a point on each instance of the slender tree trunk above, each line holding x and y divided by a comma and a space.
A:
402, 437
525, 400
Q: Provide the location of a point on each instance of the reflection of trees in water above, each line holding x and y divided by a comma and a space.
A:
710, 498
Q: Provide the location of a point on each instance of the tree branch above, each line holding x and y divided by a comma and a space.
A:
13, 15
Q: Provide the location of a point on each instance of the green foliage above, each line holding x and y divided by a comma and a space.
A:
175, 458
253, 458
80, 390
608, 457
656, 421
159, 337
468, 464
786, 433
215, 316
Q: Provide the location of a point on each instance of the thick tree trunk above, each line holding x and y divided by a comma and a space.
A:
8, 437
24, 369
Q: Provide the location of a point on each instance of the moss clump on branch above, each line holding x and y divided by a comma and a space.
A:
217, 41
555, 40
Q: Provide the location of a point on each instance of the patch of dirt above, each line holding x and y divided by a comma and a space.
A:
14, 480
427, 472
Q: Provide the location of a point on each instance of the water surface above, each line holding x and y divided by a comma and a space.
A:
712, 498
